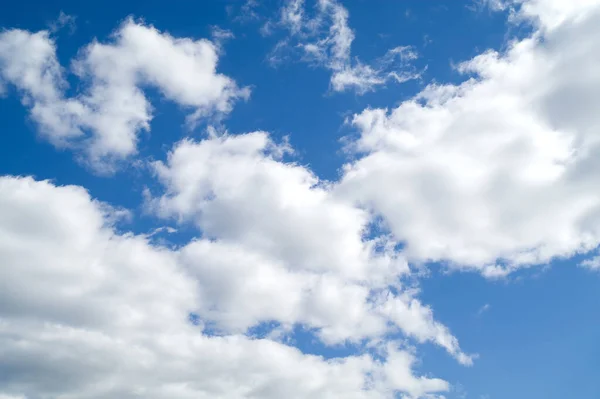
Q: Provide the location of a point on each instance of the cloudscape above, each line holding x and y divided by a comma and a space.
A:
300, 199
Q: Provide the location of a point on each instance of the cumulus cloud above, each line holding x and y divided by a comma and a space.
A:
400, 380
325, 39
500, 171
282, 233
416, 320
548, 14
86, 312
236, 188
105, 118
492, 174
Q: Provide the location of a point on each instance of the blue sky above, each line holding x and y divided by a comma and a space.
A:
405, 189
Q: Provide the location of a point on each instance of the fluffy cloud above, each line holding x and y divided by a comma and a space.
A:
107, 116
492, 174
395, 372
416, 320
240, 289
235, 188
548, 14
282, 233
86, 312
325, 39
498, 172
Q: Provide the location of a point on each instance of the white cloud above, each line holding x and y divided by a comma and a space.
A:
63, 20
550, 14
592, 263
240, 289
235, 189
86, 312
106, 117
417, 321
493, 174
498, 172
246, 12
326, 39
288, 242
220, 36
292, 15
483, 309
395, 371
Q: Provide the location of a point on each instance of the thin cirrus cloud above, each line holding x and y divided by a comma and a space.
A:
324, 38
104, 120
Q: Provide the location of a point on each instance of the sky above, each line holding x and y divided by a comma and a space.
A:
299, 199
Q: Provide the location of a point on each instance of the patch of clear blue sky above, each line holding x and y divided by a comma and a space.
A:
539, 337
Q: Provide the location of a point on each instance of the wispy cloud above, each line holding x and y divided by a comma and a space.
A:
324, 38
483, 309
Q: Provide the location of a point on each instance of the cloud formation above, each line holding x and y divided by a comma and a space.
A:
289, 249
325, 39
113, 311
106, 116
493, 174
500, 171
